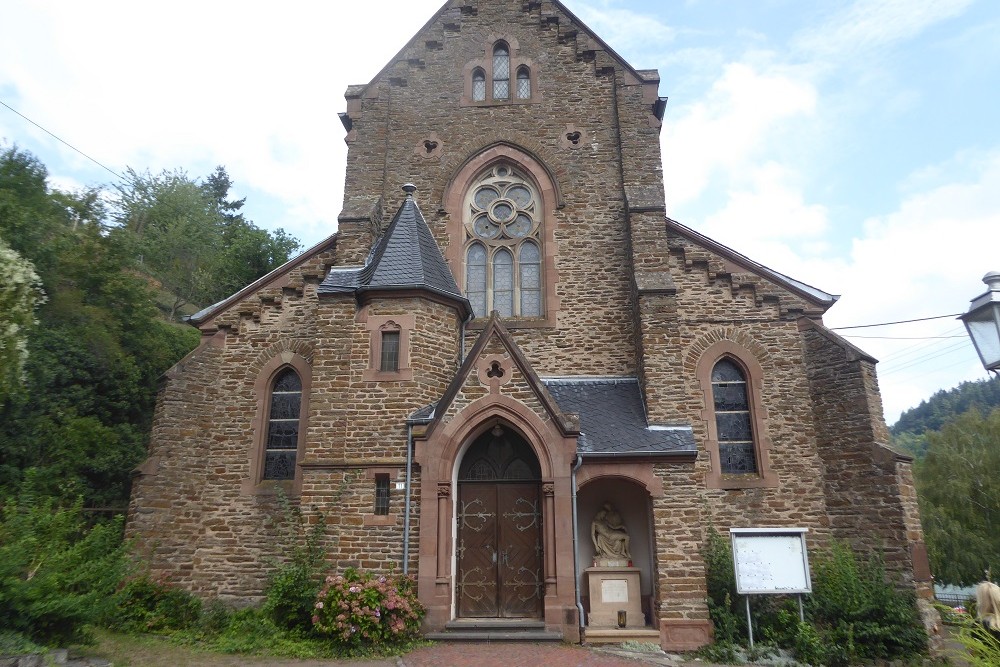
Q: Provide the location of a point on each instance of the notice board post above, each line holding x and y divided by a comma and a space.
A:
770, 561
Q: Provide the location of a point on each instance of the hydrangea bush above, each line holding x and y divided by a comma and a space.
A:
368, 610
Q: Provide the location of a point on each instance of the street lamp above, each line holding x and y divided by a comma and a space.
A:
983, 322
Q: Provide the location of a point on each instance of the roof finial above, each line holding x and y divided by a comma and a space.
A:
409, 189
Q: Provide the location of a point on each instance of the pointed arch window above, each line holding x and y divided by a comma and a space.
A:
283, 425
503, 268
478, 85
523, 83
733, 420
501, 71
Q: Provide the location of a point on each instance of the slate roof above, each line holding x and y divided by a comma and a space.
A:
406, 257
613, 419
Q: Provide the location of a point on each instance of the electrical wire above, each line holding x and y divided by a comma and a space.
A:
885, 324
901, 337
51, 134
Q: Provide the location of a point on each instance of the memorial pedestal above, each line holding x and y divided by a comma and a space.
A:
614, 589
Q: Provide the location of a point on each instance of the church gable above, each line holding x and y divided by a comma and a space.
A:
496, 367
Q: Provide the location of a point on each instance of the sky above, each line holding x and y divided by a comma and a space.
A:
852, 145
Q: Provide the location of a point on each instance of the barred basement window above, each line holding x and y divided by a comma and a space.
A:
501, 72
478, 85
382, 495
389, 358
737, 452
503, 252
523, 83
283, 426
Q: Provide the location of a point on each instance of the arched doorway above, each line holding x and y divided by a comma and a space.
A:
499, 536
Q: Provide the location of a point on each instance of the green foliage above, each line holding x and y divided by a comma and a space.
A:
293, 585
945, 405
191, 238
82, 414
982, 647
56, 576
365, 610
853, 614
858, 613
143, 604
20, 293
958, 485
720, 578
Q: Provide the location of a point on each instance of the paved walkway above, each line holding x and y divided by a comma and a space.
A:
512, 654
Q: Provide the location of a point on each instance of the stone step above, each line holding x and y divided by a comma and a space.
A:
619, 635
495, 630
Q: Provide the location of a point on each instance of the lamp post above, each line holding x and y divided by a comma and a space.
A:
983, 322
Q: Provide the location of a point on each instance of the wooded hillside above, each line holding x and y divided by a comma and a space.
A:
91, 287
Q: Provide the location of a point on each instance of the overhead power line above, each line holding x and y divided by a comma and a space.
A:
51, 134
884, 324
902, 337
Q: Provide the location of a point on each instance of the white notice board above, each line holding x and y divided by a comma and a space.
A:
770, 560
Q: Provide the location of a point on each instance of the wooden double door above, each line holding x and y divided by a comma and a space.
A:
499, 550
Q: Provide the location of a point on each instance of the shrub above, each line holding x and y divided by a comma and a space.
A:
144, 604
721, 583
858, 612
293, 585
982, 646
56, 576
364, 610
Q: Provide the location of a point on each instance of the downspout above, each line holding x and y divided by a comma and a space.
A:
576, 553
407, 492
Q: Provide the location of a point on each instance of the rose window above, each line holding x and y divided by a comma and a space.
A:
503, 257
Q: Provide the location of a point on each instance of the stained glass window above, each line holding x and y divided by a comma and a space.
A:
733, 422
283, 426
501, 72
503, 270
523, 83
478, 85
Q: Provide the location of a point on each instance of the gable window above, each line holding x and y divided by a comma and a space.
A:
523, 83
503, 269
501, 72
283, 426
389, 357
732, 419
478, 85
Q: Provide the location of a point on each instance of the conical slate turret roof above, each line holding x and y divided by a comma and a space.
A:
406, 257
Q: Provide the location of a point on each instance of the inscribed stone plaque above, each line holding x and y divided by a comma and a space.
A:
614, 590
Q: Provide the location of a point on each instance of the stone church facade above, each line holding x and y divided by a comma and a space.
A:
461, 377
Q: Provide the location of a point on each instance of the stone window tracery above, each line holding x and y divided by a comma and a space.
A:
503, 269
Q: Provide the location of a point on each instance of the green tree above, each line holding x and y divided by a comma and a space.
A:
958, 484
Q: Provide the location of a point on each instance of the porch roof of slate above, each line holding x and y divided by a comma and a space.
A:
612, 418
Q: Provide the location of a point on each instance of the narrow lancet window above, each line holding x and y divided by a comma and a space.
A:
737, 453
283, 426
523, 83
501, 72
478, 85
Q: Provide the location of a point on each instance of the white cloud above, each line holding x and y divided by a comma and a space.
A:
725, 130
625, 30
871, 24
